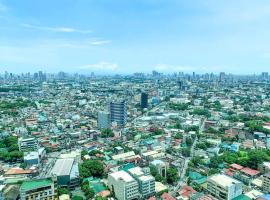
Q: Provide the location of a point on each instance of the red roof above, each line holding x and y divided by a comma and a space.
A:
249, 171
186, 191
236, 166
167, 196
152, 198
229, 172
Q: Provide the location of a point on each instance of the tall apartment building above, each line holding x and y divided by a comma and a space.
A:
144, 100
104, 120
39, 189
118, 111
266, 182
146, 182
224, 187
123, 185
28, 144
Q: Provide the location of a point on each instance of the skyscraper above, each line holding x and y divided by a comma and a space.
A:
144, 100
118, 112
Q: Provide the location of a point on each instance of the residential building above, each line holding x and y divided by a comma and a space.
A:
224, 187
123, 185
39, 189
118, 112
26, 144
104, 120
266, 182
146, 181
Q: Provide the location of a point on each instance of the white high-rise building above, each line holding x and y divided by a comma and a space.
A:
123, 185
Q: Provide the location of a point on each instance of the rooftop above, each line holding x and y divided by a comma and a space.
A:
30, 185
63, 167
122, 175
223, 180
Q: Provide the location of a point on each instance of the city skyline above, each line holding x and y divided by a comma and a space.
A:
123, 37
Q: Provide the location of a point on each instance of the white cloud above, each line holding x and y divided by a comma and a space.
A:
56, 29
100, 42
106, 66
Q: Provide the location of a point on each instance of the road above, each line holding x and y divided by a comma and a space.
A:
181, 181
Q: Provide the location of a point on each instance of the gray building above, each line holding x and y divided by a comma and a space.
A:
27, 144
104, 120
67, 172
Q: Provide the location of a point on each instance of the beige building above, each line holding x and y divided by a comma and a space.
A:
224, 187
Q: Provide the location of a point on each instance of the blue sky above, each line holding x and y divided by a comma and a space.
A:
126, 36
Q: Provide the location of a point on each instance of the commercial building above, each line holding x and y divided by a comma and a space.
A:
144, 100
38, 189
124, 186
31, 158
146, 182
26, 144
224, 187
67, 172
104, 120
118, 112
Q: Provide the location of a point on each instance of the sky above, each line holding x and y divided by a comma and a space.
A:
127, 36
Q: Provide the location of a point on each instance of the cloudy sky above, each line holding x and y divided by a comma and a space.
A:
126, 36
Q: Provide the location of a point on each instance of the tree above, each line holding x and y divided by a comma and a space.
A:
77, 198
189, 141
178, 136
172, 175
91, 168
62, 191
186, 152
100, 198
107, 132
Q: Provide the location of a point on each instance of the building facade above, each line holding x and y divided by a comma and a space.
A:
123, 185
118, 112
224, 187
104, 120
144, 100
26, 144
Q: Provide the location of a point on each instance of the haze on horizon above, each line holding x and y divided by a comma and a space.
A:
126, 36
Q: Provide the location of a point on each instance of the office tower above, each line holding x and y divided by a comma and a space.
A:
104, 120
144, 100
118, 112
124, 186
27, 144
224, 187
